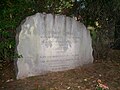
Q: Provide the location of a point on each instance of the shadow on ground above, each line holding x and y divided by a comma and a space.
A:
81, 78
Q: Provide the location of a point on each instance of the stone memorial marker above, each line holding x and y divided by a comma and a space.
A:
51, 43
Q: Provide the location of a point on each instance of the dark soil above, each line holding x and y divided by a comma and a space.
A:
77, 79
81, 78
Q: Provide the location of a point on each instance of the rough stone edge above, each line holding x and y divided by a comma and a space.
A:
18, 30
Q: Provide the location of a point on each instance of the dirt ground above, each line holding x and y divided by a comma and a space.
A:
81, 78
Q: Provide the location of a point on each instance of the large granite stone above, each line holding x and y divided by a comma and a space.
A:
51, 43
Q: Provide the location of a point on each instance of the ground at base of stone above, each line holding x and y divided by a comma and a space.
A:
82, 78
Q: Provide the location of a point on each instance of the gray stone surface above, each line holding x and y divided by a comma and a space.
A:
51, 43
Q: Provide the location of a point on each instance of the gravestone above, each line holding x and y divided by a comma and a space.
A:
50, 43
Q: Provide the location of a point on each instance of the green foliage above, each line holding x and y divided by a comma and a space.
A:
12, 12
7, 45
106, 13
99, 88
53, 6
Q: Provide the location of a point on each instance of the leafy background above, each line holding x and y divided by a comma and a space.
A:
99, 15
